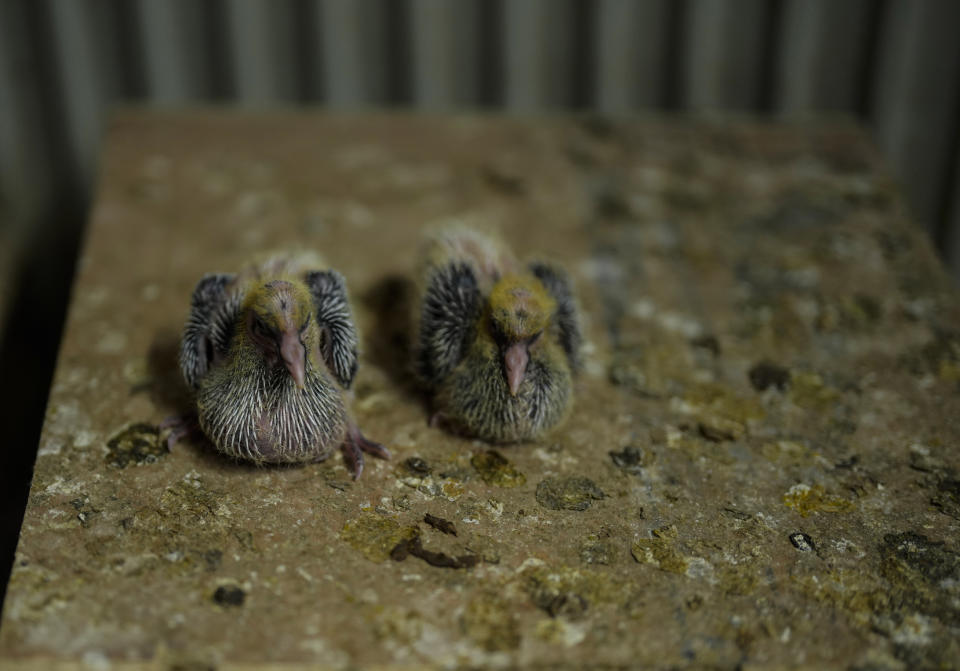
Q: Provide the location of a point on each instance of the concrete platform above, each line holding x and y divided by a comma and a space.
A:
761, 470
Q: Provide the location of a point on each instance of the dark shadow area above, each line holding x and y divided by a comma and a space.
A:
945, 235
490, 63
866, 74
388, 345
583, 94
42, 280
310, 74
671, 93
164, 383
132, 83
219, 78
399, 90
769, 47
28, 355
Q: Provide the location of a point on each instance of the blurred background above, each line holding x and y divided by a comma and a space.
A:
893, 65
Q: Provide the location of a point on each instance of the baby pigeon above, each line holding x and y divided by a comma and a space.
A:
497, 343
270, 352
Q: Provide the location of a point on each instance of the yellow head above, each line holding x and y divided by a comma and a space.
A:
520, 310
280, 322
520, 307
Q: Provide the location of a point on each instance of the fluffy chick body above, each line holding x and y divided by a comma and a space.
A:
270, 352
497, 342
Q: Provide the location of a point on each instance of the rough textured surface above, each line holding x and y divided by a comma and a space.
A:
760, 470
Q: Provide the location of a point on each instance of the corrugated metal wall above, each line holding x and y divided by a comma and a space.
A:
895, 64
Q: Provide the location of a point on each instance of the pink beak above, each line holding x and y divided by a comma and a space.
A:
291, 349
515, 361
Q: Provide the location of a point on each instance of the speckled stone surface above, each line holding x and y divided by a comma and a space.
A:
760, 471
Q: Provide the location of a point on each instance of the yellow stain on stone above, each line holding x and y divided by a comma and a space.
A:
375, 536
806, 499
496, 470
807, 390
396, 623
739, 579
594, 586
452, 490
660, 551
949, 371
855, 592
489, 621
720, 410
560, 632
666, 532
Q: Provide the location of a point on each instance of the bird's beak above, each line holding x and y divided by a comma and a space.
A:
291, 349
515, 361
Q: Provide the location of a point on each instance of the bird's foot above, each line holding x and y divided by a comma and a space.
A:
180, 427
355, 445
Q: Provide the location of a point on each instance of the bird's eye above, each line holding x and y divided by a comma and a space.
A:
260, 328
497, 332
534, 338
305, 324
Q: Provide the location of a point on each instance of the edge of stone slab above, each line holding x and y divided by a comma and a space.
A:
130, 112
47, 664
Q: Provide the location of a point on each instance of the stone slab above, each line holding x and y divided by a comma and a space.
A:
760, 470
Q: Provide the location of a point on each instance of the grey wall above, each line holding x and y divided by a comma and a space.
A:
894, 64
